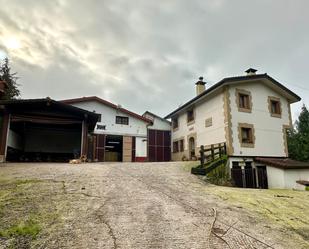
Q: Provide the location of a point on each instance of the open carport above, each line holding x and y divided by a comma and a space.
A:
44, 130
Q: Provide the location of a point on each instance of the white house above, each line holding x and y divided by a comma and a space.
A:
120, 135
250, 114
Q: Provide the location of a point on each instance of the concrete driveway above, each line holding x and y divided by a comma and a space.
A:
138, 205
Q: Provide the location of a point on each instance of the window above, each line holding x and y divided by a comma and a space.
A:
175, 123
208, 122
190, 116
181, 147
246, 135
122, 120
175, 147
274, 107
243, 100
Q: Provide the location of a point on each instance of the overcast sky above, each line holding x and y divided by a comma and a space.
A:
147, 55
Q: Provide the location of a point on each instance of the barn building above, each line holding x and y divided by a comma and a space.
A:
120, 135
43, 130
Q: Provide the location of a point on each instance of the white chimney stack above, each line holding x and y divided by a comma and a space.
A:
200, 86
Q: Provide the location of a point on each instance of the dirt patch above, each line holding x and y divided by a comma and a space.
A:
128, 205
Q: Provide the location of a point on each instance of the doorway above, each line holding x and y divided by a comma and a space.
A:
192, 148
113, 148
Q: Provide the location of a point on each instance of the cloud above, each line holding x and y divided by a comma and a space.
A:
147, 55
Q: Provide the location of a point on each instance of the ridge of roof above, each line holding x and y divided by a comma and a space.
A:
105, 102
232, 79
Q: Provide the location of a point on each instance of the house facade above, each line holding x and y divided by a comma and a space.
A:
120, 135
249, 113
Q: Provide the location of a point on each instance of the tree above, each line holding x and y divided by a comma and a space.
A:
298, 138
12, 91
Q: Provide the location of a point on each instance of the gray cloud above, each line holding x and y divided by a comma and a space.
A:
146, 55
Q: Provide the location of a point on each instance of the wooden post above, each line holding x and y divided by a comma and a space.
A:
4, 136
84, 145
212, 152
202, 155
220, 151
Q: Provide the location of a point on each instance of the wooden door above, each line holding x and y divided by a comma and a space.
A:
100, 147
262, 177
159, 146
127, 149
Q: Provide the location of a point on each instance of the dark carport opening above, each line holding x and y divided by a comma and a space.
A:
113, 148
35, 142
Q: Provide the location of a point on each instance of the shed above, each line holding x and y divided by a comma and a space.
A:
284, 172
43, 130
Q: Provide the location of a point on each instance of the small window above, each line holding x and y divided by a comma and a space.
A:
190, 116
175, 147
275, 107
175, 123
181, 147
246, 135
122, 120
208, 122
101, 127
244, 101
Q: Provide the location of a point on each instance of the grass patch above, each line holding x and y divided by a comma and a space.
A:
25, 228
24, 211
285, 208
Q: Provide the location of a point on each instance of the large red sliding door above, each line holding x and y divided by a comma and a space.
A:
159, 146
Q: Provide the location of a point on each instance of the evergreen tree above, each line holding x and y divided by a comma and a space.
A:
298, 138
12, 90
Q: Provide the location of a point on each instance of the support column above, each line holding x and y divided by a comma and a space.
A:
4, 132
84, 142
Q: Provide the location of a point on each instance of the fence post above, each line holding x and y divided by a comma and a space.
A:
202, 155
225, 152
212, 152
220, 150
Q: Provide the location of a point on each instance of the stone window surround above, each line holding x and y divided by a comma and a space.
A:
246, 145
178, 140
245, 92
194, 115
270, 99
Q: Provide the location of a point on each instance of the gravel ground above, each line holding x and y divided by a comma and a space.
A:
140, 205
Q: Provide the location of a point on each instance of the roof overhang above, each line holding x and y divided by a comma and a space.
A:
264, 78
107, 103
47, 108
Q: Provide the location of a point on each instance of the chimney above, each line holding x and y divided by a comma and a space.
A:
200, 86
251, 71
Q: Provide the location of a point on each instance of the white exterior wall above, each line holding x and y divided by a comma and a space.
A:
210, 108
268, 130
136, 126
275, 177
293, 175
141, 147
